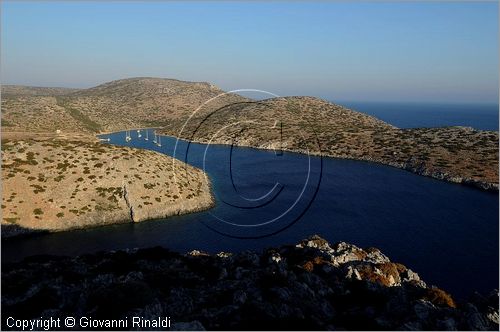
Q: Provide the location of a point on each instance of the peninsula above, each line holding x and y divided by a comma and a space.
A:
57, 175
54, 182
197, 111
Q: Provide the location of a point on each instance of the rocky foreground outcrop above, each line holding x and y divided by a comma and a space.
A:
311, 285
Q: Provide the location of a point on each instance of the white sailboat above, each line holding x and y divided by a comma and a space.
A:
139, 133
154, 140
147, 137
128, 138
159, 141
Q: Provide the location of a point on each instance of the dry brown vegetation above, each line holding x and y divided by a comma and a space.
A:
56, 183
311, 125
300, 124
113, 106
439, 297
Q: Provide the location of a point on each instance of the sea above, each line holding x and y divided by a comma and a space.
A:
446, 232
417, 115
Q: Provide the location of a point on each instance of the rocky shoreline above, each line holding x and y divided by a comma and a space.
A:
313, 126
198, 111
312, 285
57, 182
411, 165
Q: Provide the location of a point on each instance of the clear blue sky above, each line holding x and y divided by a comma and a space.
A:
390, 51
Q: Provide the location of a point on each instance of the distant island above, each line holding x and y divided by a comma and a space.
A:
58, 176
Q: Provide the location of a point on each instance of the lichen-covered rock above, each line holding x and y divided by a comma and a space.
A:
311, 285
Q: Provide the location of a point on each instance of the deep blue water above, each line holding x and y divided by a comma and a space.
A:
448, 233
407, 115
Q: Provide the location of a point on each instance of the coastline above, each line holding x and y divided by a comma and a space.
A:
83, 183
10, 231
410, 167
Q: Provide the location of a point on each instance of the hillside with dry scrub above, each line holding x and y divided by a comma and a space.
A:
202, 112
311, 125
60, 183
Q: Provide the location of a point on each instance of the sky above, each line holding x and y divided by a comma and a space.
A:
352, 51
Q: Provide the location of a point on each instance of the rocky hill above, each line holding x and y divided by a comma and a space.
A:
309, 286
301, 124
311, 125
60, 182
117, 105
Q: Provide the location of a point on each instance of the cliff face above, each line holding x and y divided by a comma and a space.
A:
66, 182
310, 286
